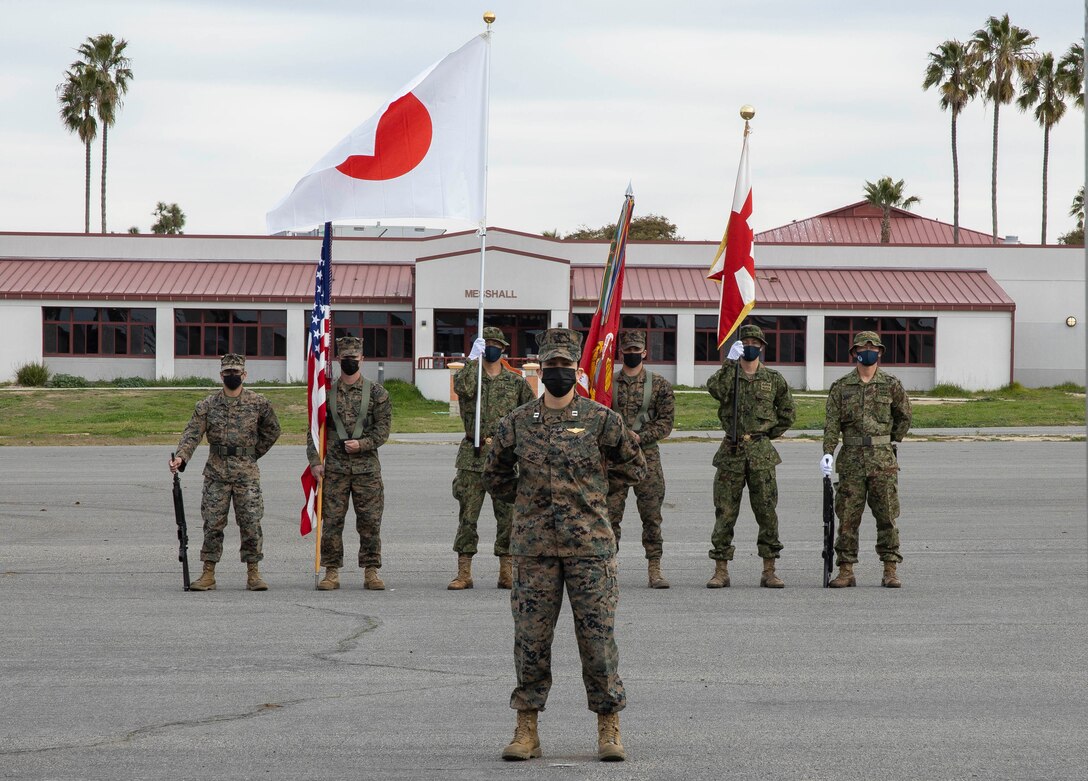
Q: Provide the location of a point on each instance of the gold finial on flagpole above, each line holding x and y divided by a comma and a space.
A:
746, 113
489, 18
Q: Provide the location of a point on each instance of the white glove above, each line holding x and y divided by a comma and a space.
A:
825, 465
736, 351
477, 349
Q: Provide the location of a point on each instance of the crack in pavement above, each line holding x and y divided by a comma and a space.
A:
350, 643
342, 646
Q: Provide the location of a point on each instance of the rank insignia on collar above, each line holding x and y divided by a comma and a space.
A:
575, 430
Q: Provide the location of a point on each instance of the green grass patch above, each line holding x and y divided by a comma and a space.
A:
115, 415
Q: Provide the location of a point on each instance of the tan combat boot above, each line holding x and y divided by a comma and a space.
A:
506, 572
769, 579
206, 582
890, 579
371, 580
254, 581
609, 748
464, 573
721, 575
845, 577
331, 581
657, 580
526, 743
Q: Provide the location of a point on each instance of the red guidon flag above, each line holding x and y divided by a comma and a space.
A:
421, 155
600, 346
734, 265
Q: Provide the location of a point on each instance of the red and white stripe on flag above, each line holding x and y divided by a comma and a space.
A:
317, 359
734, 263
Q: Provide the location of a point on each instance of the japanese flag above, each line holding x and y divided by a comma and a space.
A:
420, 155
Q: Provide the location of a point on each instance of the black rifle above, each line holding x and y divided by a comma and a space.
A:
183, 530
829, 530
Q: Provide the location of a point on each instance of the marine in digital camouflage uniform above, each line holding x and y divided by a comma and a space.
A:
650, 418
351, 470
765, 412
556, 459
503, 392
870, 410
241, 426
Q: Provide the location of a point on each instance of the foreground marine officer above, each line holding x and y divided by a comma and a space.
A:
871, 411
646, 402
503, 392
765, 411
241, 426
556, 457
360, 415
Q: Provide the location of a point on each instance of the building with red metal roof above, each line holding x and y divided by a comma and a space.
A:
974, 314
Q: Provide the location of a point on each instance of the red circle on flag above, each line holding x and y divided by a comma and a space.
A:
401, 142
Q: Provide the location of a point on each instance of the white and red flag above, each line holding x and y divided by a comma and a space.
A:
317, 378
734, 265
420, 156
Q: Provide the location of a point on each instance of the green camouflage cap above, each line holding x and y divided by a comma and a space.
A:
560, 343
492, 333
752, 332
232, 361
349, 345
867, 336
629, 339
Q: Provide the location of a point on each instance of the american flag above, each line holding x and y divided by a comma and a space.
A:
317, 380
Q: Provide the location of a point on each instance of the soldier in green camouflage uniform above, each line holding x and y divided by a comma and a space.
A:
241, 426
870, 409
557, 458
503, 392
765, 412
648, 413
359, 417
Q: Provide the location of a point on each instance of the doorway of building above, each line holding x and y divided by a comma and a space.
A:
455, 330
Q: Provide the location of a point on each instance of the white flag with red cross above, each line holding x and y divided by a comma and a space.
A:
734, 265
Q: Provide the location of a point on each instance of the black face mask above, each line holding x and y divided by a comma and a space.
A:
492, 353
751, 352
558, 380
867, 357
349, 366
232, 381
631, 360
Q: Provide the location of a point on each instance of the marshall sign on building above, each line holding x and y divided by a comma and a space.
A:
976, 314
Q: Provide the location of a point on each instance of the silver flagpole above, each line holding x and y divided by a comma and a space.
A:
489, 17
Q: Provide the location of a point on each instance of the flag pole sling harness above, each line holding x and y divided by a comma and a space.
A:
643, 416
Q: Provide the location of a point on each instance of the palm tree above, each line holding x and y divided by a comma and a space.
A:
999, 52
1077, 209
76, 95
888, 195
1071, 68
949, 70
1044, 90
105, 55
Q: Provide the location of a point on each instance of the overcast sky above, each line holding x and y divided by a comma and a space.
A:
234, 100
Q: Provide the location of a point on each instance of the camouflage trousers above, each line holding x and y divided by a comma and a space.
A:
762, 495
215, 502
535, 601
367, 495
649, 496
469, 491
882, 494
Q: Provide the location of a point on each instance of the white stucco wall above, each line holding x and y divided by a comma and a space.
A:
104, 368
973, 349
20, 336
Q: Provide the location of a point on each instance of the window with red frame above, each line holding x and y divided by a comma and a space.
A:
97, 331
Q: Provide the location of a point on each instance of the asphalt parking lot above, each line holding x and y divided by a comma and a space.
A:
974, 669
